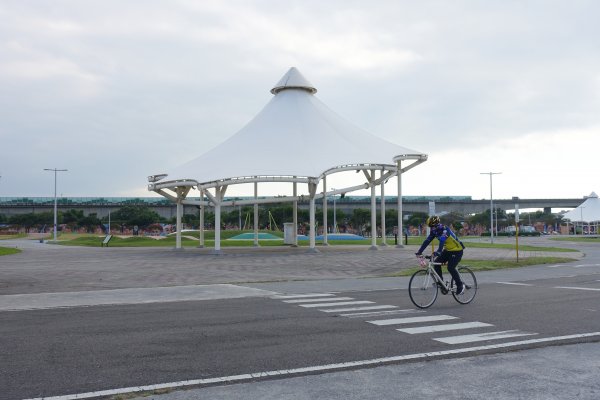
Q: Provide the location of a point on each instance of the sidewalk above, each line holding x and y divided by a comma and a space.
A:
550, 373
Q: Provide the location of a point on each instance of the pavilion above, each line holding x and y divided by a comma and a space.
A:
297, 140
587, 212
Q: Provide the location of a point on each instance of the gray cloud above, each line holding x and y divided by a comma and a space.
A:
115, 91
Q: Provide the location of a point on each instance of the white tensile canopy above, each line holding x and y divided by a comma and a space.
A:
587, 212
297, 139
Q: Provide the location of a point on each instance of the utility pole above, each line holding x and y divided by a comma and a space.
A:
55, 204
491, 203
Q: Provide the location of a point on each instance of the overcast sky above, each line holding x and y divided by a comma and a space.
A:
115, 91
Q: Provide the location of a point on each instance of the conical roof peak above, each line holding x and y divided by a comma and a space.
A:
293, 79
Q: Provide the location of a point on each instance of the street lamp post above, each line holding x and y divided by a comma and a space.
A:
334, 221
55, 204
516, 200
491, 203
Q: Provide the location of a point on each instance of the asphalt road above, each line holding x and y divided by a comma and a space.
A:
218, 335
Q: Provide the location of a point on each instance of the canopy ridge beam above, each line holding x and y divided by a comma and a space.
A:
385, 176
419, 160
167, 195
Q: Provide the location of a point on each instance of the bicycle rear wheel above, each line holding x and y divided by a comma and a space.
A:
468, 278
422, 289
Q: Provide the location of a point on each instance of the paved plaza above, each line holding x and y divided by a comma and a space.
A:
46, 268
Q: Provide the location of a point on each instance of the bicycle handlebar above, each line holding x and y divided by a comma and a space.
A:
430, 258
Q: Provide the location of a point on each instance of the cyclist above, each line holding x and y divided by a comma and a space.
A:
449, 251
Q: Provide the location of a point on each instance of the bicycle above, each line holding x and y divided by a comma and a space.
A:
424, 284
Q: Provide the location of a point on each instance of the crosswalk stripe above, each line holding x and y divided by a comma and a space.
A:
575, 288
380, 313
316, 300
447, 327
339, 303
479, 337
515, 283
301, 296
359, 308
411, 320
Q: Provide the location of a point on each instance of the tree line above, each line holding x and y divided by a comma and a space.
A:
359, 220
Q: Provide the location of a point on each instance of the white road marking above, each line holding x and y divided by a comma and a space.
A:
411, 320
316, 300
447, 327
586, 265
318, 368
43, 301
479, 337
339, 303
381, 313
515, 283
576, 288
301, 296
334, 310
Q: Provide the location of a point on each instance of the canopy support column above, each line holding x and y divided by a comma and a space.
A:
325, 211
400, 219
382, 207
312, 189
295, 216
178, 223
373, 212
256, 215
219, 195
201, 226
217, 228
182, 192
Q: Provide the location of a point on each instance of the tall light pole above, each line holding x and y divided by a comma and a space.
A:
491, 203
55, 204
334, 222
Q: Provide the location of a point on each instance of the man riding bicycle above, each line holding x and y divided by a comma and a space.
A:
449, 251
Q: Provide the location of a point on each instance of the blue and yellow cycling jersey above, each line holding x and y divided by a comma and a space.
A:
447, 238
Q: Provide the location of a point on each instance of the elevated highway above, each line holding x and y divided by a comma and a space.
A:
102, 206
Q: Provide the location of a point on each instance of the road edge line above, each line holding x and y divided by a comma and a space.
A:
319, 368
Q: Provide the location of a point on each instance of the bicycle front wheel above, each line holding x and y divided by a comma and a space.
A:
422, 289
468, 278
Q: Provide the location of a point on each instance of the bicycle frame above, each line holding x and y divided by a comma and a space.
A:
426, 262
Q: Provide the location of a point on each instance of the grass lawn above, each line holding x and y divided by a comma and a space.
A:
190, 239
4, 251
488, 265
140, 241
513, 247
15, 236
